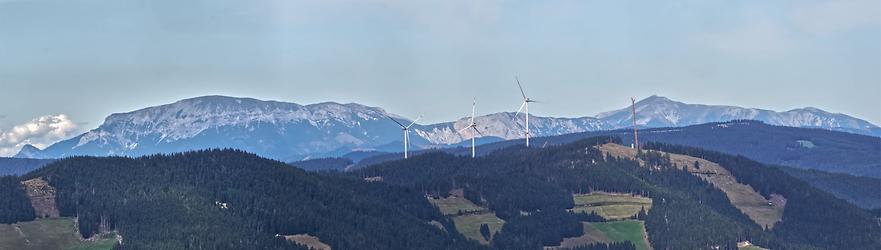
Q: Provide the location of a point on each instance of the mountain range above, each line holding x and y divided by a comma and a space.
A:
290, 131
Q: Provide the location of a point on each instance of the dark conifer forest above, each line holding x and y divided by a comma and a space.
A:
14, 203
172, 202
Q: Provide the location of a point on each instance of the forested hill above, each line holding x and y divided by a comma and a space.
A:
223, 199
518, 184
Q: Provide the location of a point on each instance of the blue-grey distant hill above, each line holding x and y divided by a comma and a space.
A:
20, 166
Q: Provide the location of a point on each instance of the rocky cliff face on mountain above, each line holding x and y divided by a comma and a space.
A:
275, 129
289, 131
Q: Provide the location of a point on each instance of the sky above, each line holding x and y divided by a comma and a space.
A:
66, 65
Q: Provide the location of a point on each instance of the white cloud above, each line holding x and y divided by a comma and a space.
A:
40, 132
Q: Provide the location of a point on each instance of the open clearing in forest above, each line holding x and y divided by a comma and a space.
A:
468, 216
618, 231
54, 233
308, 241
608, 232
612, 206
469, 225
751, 248
742, 196
591, 236
453, 205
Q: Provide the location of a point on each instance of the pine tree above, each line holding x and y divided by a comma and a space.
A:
484, 230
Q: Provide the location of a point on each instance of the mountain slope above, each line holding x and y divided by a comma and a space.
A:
272, 129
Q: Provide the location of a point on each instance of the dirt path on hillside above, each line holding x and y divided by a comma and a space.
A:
23, 236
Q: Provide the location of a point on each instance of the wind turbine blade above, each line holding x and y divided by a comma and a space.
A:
521, 87
473, 107
478, 131
414, 121
396, 121
521, 109
463, 129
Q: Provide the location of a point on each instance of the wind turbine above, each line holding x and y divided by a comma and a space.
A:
472, 125
635, 134
406, 130
525, 104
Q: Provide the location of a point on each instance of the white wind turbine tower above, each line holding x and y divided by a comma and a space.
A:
473, 126
406, 130
525, 105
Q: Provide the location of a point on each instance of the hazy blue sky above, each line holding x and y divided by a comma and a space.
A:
87, 59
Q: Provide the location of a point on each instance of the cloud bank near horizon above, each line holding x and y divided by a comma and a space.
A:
39, 132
